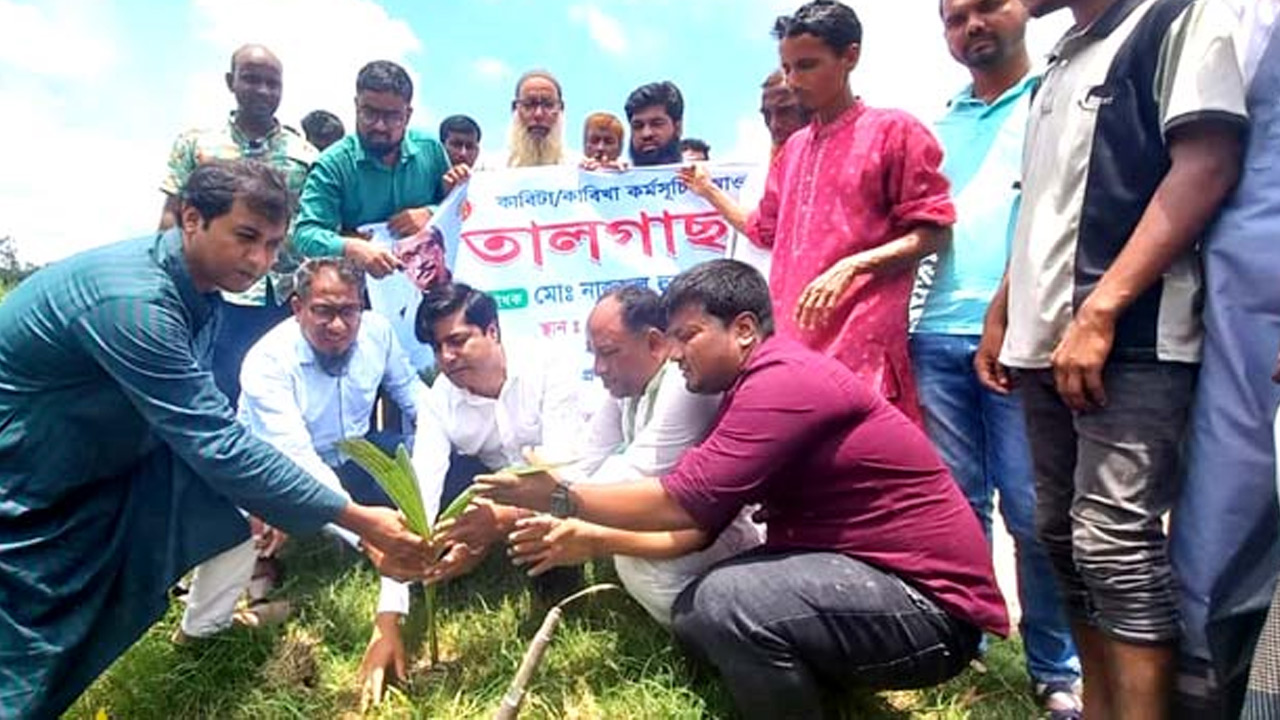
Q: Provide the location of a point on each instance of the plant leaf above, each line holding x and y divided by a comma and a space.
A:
398, 480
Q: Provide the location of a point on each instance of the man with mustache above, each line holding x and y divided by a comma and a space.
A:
307, 384
656, 115
874, 571
536, 136
980, 434
385, 172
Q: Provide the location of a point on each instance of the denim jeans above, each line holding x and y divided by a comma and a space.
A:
1104, 481
982, 437
785, 628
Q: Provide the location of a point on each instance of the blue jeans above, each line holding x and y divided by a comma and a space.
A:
982, 437
787, 631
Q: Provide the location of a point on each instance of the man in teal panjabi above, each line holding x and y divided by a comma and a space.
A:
121, 464
382, 173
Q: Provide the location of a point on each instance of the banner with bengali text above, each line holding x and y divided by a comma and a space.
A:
547, 242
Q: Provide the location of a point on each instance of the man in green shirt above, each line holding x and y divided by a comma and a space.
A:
384, 173
121, 464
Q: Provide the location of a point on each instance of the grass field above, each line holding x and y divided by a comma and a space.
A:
608, 660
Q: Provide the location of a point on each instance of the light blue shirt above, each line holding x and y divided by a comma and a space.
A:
288, 400
983, 145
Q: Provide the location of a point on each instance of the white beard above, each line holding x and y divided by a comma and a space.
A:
530, 151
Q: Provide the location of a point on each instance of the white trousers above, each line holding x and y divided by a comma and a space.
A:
216, 586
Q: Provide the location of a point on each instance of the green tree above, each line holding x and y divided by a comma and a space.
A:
12, 269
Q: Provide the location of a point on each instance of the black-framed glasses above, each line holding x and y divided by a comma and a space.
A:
327, 313
371, 115
530, 105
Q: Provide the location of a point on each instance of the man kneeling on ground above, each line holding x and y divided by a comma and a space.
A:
874, 572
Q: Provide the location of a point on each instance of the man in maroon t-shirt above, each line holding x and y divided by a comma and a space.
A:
875, 572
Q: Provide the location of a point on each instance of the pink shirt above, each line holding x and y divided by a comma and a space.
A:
838, 469
865, 179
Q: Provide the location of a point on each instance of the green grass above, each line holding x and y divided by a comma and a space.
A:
608, 660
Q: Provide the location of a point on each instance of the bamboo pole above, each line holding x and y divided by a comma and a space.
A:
510, 707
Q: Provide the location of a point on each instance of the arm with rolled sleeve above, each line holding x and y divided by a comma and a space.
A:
315, 231
142, 346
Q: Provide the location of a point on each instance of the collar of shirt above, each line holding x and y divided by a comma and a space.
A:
168, 254
966, 100
1099, 29
848, 117
631, 407
255, 144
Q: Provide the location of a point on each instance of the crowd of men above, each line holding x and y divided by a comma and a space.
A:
1056, 296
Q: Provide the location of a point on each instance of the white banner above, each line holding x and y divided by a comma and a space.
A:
547, 242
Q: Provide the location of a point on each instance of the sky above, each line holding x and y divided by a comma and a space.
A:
95, 91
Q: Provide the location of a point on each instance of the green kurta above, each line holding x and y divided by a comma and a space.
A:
121, 465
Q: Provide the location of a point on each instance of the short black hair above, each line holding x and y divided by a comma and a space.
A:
663, 93
461, 124
696, 145
441, 301
832, 22
215, 185
385, 76
641, 308
322, 128
348, 272
724, 289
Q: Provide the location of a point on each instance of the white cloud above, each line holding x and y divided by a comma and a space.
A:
491, 68
605, 30
751, 141
38, 39
85, 135
321, 43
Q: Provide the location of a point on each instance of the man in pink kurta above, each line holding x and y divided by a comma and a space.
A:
864, 179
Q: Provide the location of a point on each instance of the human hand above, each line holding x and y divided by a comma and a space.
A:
546, 542
377, 261
455, 176
697, 178
597, 165
458, 560
385, 651
482, 524
1079, 359
267, 540
821, 296
394, 550
992, 374
409, 222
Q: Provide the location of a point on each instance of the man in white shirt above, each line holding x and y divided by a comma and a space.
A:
490, 401
642, 429
305, 385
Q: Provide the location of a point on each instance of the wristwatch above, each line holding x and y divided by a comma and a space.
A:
562, 505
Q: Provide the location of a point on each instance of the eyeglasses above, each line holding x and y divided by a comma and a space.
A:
327, 313
371, 116
531, 105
